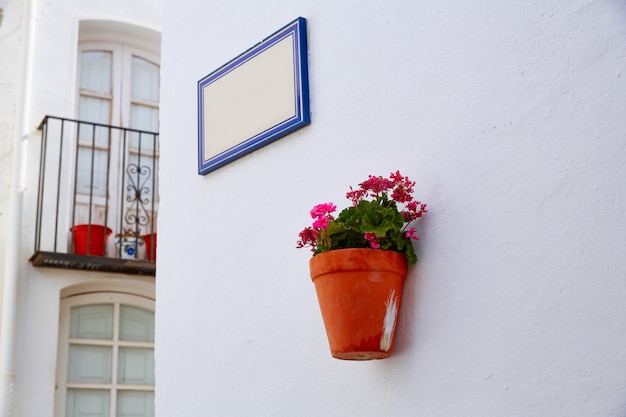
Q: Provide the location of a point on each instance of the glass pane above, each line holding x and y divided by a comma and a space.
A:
89, 364
87, 403
135, 404
143, 142
83, 181
145, 81
92, 322
94, 110
136, 324
135, 366
143, 118
96, 71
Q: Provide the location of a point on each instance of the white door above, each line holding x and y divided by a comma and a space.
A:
117, 170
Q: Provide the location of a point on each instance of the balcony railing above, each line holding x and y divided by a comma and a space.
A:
97, 199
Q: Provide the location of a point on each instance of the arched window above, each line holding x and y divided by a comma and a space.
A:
106, 355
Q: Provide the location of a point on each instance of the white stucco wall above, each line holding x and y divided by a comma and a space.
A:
510, 117
9, 54
53, 92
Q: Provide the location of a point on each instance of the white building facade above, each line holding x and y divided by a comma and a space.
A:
510, 118
73, 341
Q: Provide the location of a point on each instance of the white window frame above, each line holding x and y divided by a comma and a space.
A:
89, 298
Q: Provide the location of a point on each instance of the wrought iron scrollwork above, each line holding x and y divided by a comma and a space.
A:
138, 195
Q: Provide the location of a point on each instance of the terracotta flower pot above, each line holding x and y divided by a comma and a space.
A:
359, 293
90, 239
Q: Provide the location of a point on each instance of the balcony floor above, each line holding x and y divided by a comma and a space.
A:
93, 263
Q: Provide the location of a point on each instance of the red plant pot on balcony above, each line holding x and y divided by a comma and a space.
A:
151, 244
90, 239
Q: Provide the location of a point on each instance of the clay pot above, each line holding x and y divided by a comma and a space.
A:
90, 239
359, 292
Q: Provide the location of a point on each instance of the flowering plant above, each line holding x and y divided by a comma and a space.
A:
379, 218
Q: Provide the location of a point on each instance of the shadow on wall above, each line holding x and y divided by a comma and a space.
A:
407, 318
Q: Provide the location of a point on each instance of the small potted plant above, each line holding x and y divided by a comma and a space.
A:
359, 264
129, 245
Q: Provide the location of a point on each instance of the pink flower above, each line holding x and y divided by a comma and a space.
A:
323, 210
308, 237
414, 210
372, 239
321, 214
411, 234
321, 222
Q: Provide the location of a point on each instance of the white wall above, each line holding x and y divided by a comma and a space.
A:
9, 55
53, 93
510, 117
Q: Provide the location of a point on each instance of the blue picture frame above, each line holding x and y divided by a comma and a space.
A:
254, 99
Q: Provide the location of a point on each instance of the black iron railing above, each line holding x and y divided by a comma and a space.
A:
97, 199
